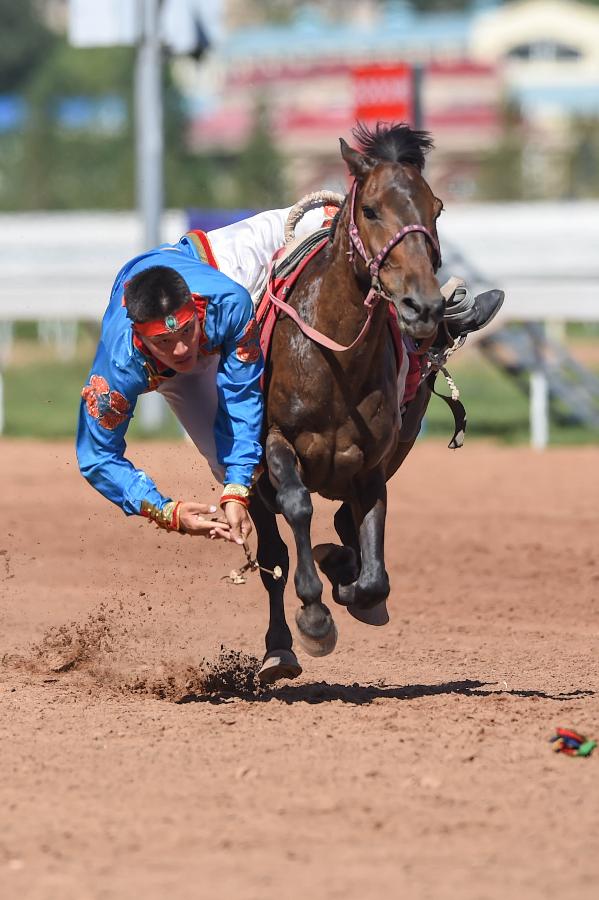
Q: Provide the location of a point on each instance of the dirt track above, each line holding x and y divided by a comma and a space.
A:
412, 762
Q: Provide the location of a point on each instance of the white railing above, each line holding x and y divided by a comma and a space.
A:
59, 267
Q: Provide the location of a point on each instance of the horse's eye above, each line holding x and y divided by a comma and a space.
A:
369, 212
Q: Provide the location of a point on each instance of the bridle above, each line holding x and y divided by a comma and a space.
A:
374, 265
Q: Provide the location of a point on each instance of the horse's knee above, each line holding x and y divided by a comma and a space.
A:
296, 504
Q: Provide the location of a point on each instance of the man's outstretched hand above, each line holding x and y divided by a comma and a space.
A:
201, 519
239, 522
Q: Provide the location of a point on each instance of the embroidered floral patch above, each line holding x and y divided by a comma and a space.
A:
110, 408
248, 347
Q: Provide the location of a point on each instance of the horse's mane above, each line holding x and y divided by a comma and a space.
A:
394, 143
390, 142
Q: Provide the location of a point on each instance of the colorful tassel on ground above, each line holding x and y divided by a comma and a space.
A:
568, 741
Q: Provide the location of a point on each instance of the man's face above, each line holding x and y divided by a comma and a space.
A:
179, 350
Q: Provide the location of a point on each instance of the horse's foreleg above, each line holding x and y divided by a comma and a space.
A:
371, 588
279, 661
317, 631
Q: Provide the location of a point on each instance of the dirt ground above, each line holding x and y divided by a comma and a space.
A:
414, 761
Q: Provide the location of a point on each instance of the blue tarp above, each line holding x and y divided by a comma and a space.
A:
210, 219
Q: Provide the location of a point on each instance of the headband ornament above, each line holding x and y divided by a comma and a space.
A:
167, 325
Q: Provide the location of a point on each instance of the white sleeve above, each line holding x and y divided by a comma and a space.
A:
244, 249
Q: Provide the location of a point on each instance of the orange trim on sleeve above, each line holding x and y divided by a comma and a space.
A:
202, 244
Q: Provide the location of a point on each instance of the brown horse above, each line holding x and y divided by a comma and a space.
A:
332, 418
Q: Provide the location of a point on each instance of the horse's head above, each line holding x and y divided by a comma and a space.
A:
394, 220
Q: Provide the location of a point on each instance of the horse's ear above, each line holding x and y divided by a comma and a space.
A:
358, 164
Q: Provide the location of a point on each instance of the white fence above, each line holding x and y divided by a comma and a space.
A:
59, 267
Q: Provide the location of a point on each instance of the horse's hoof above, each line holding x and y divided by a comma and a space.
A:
375, 615
320, 644
321, 551
279, 664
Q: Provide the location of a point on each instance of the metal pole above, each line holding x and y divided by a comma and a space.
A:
149, 151
417, 98
6, 341
148, 123
539, 395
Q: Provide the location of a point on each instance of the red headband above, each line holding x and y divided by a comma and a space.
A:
171, 323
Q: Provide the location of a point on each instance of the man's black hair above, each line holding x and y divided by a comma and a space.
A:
155, 293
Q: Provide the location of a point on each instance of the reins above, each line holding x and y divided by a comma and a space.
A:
317, 336
374, 265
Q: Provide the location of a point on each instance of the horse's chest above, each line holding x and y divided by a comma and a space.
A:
370, 429
351, 442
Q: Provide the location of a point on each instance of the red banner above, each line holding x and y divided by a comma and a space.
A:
383, 92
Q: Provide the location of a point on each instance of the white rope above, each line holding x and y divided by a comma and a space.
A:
309, 201
439, 360
455, 391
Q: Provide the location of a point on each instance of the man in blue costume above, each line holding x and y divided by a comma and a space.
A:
176, 323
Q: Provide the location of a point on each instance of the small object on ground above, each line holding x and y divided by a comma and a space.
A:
237, 576
570, 742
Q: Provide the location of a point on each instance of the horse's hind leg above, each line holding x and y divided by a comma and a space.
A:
371, 588
317, 631
279, 661
340, 564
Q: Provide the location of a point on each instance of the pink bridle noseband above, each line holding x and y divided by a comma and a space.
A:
373, 264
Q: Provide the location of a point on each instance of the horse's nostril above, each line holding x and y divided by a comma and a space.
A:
411, 308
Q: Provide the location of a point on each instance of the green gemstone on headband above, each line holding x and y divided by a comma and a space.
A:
171, 323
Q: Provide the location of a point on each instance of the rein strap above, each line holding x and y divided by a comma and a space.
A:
285, 287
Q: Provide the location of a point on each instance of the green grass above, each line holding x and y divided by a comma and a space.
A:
495, 406
42, 401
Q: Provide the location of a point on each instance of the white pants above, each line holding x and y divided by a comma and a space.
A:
193, 398
243, 252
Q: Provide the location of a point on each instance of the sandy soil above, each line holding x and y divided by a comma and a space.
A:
414, 761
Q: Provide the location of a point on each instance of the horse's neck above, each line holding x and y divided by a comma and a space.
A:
348, 283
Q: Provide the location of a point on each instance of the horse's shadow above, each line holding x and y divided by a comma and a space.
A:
361, 694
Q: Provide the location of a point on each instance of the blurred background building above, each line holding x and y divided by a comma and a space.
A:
254, 109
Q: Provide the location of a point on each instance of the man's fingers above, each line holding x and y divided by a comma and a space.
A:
201, 508
236, 535
199, 525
